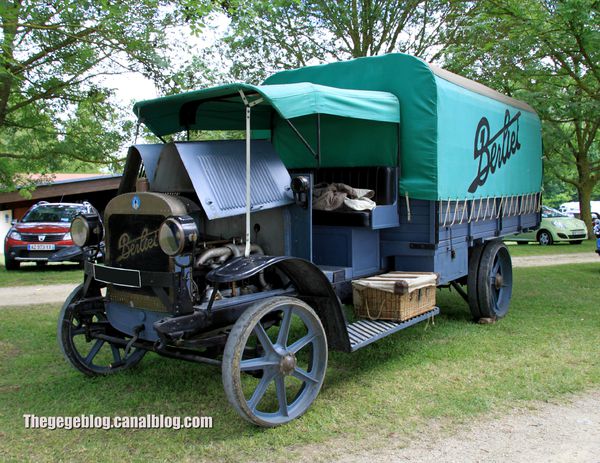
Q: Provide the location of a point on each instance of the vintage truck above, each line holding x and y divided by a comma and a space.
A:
215, 254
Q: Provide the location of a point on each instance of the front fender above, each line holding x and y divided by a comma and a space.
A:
310, 282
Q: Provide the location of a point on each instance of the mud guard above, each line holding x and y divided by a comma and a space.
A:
312, 285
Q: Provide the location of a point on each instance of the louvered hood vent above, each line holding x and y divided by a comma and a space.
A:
216, 171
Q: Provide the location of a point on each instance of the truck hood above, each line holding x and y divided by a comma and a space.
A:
569, 223
41, 227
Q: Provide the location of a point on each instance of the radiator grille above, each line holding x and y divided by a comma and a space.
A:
49, 237
133, 242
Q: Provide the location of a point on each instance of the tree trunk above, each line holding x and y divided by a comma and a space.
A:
585, 212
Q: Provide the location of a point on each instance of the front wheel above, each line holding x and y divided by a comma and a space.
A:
91, 356
544, 238
274, 361
12, 264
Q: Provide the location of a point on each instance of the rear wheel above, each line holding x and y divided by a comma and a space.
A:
273, 370
12, 264
474, 259
494, 280
544, 237
89, 355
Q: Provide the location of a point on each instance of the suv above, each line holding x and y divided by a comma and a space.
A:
43, 230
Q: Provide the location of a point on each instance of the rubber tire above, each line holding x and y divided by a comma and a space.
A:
70, 356
234, 346
486, 307
474, 259
576, 242
550, 239
12, 264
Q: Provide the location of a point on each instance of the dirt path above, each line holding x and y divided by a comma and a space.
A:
556, 259
29, 295
551, 434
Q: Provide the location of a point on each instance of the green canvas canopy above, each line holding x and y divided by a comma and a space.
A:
221, 108
451, 137
458, 139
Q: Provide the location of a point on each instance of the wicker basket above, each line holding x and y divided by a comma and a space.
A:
394, 296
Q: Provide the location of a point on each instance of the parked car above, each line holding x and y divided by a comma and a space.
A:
555, 226
43, 230
572, 209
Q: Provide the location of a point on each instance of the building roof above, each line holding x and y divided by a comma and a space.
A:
64, 185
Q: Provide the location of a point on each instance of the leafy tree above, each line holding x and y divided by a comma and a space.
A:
546, 52
270, 35
53, 55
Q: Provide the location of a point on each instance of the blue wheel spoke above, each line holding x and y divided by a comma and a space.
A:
259, 363
263, 338
116, 353
77, 331
301, 343
94, 351
284, 328
261, 389
281, 394
495, 295
496, 267
303, 376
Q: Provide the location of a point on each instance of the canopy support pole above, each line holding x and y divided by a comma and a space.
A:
319, 139
248, 105
302, 139
248, 198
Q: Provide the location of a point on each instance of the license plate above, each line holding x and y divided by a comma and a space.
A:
118, 276
41, 247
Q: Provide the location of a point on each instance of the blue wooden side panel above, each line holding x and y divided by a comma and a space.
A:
436, 236
349, 247
411, 245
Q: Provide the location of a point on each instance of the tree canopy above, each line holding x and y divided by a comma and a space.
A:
54, 109
266, 36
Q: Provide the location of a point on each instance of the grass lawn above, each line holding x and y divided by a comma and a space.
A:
534, 249
449, 372
30, 274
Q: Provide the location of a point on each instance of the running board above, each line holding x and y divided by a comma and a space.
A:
364, 332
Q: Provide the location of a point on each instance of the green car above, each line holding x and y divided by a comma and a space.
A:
555, 226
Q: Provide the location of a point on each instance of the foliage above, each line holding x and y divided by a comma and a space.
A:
53, 57
545, 52
267, 36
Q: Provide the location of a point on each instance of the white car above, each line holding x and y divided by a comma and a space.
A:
572, 209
